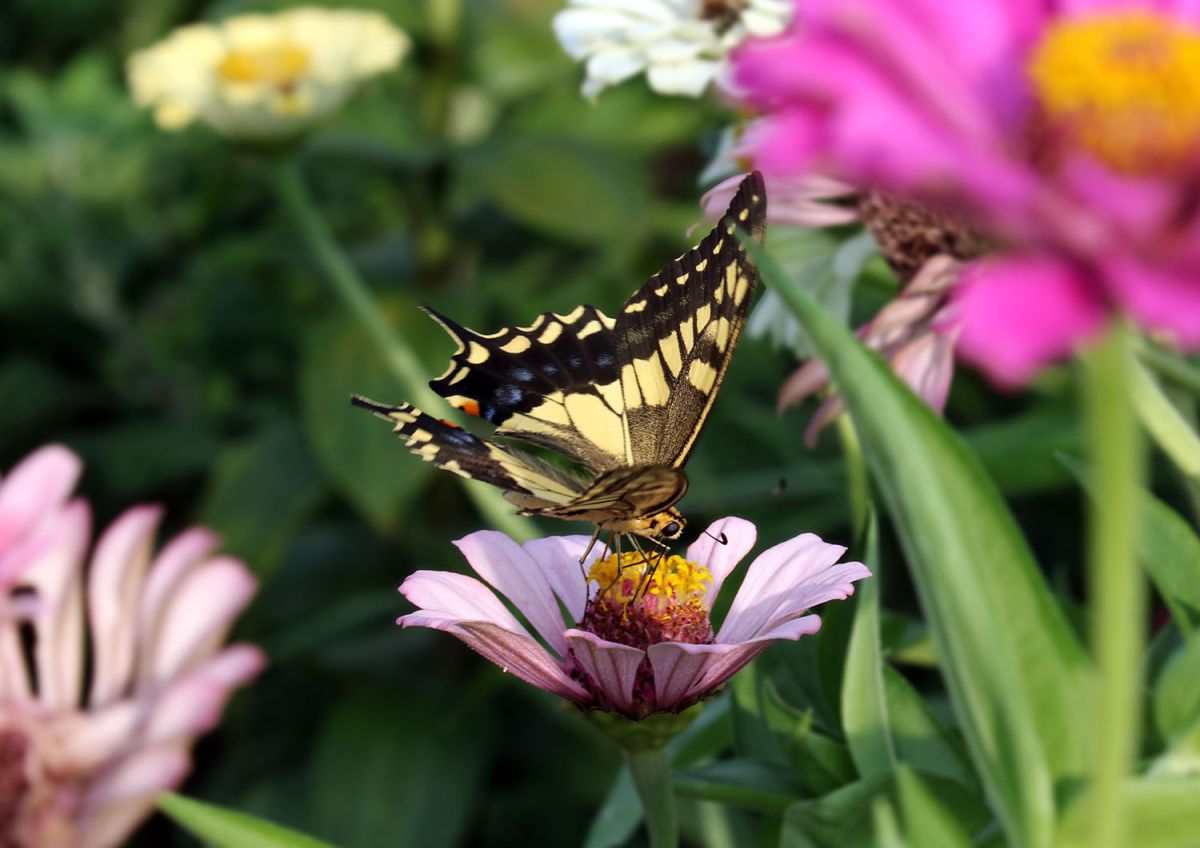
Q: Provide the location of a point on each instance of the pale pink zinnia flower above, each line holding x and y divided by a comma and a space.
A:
629, 649
109, 668
1068, 131
915, 333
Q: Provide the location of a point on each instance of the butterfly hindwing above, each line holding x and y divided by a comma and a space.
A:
676, 334
532, 482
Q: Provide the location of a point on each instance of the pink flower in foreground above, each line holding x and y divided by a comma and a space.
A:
107, 673
1070, 132
629, 652
915, 333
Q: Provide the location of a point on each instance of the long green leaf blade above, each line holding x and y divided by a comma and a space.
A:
224, 828
1016, 671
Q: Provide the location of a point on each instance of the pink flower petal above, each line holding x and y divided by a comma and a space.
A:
114, 584
516, 575
1020, 314
176, 559
1160, 298
722, 559
684, 672
774, 576
826, 414
926, 365
810, 377
457, 596
55, 574
192, 705
558, 559
38, 485
515, 653
197, 618
612, 667
832, 584
146, 772
111, 825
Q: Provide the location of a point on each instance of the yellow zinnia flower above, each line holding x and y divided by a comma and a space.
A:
263, 77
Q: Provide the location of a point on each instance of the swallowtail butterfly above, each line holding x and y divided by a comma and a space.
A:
623, 397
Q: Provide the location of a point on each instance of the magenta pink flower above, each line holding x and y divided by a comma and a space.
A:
108, 672
915, 332
629, 649
1068, 131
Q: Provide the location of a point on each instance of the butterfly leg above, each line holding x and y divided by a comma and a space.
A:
591, 544
651, 564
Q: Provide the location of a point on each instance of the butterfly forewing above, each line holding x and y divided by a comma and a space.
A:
675, 336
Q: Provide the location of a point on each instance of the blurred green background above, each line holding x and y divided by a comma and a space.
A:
161, 316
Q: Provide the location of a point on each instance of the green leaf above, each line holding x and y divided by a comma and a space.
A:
744, 783
561, 187
920, 739
887, 828
1162, 813
1163, 422
864, 702
1177, 692
1170, 552
387, 771
1016, 672
222, 828
371, 470
618, 817
841, 819
926, 819
262, 490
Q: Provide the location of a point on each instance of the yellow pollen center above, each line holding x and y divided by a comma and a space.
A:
1125, 87
278, 65
675, 581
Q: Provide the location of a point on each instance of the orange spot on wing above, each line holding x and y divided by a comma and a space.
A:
470, 407
449, 423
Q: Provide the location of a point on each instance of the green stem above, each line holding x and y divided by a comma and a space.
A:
857, 481
396, 353
651, 770
1116, 583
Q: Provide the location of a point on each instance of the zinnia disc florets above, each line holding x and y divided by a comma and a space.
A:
1123, 86
643, 600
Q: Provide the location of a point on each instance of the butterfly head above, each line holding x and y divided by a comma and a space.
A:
665, 526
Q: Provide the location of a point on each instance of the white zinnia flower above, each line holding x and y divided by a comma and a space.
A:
263, 76
680, 44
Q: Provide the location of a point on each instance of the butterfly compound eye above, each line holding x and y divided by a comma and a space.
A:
672, 530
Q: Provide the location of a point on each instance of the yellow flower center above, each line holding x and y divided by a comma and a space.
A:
278, 65
662, 583
1125, 87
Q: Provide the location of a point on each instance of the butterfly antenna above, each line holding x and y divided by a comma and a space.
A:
720, 540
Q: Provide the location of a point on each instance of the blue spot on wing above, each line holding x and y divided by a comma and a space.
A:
509, 395
524, 375
605, 359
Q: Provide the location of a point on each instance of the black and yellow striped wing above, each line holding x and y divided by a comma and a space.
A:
538, 484
625, 397
615, 393
675, 336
